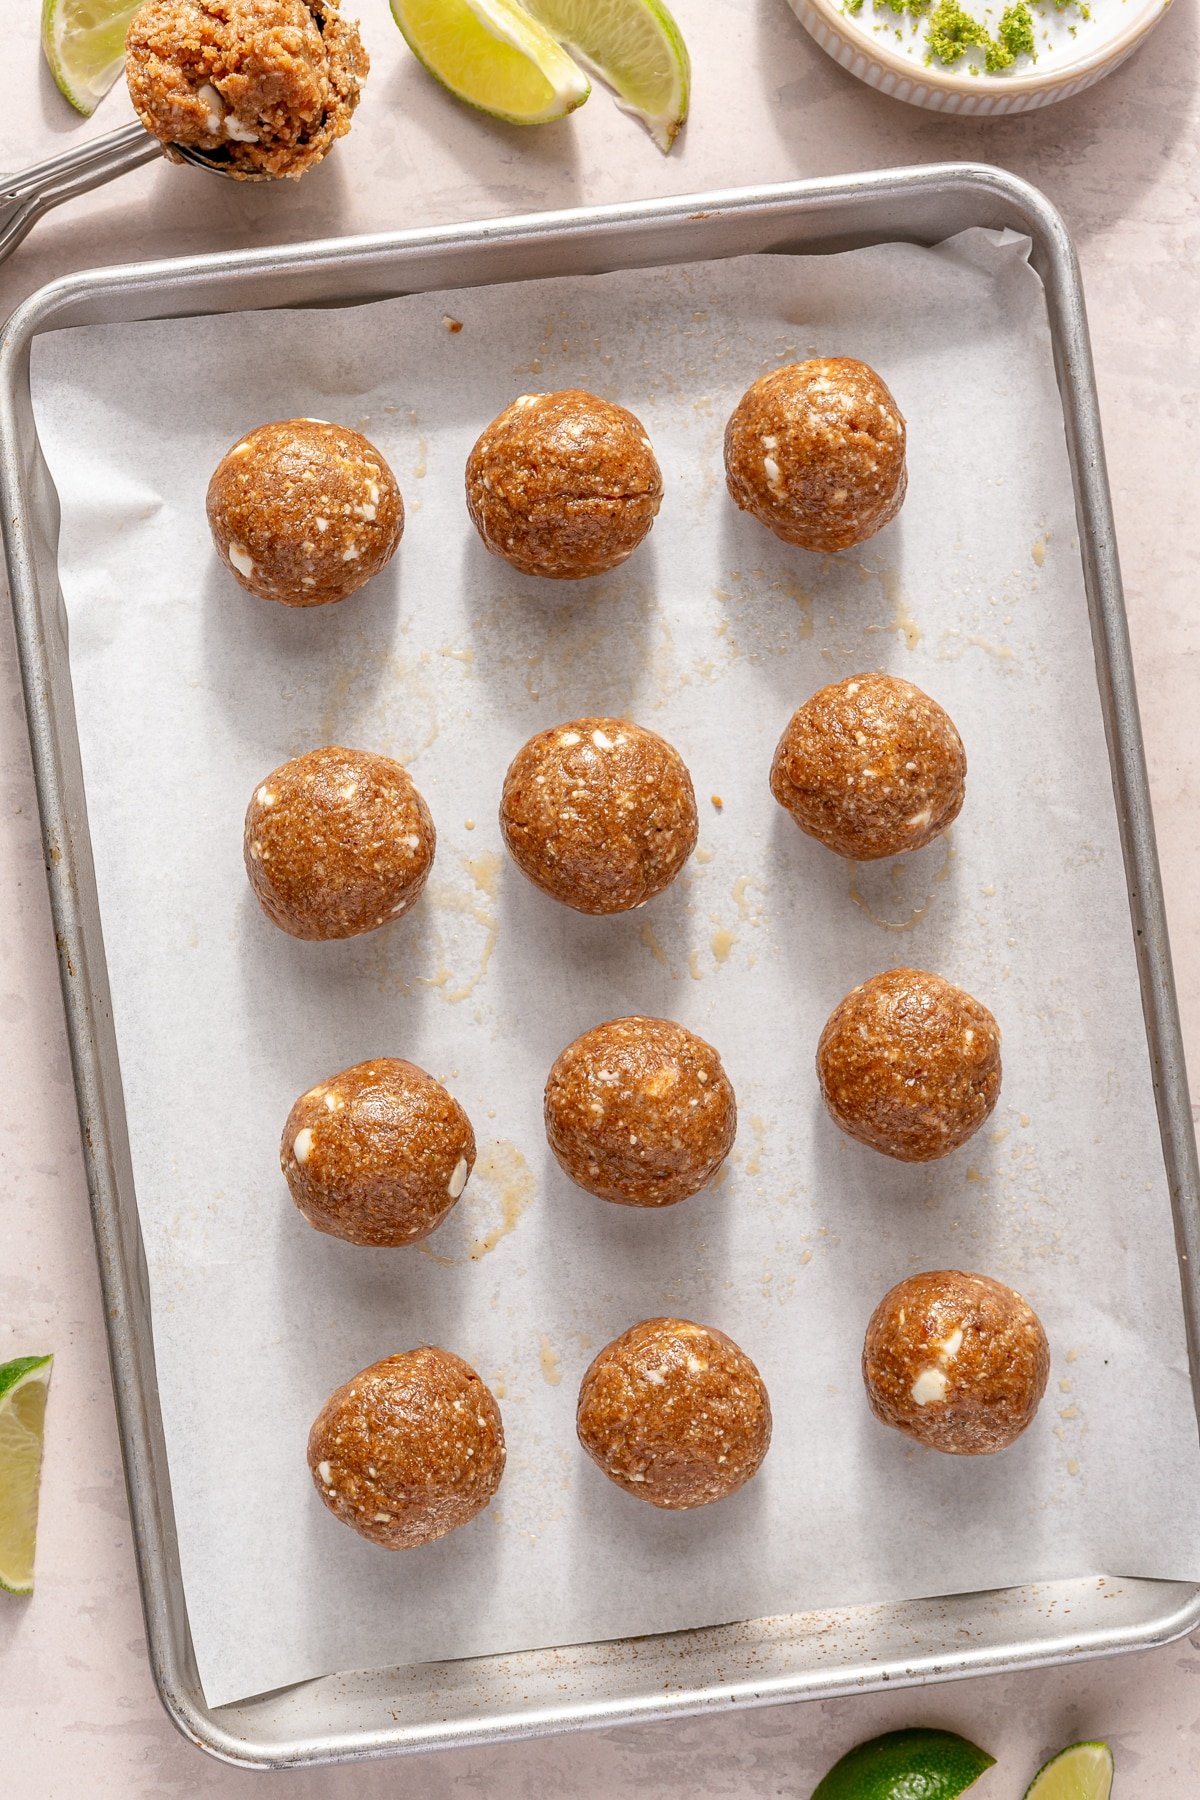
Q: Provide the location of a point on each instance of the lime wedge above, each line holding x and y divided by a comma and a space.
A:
23, 1385
1081, 1772
906, 1765
634, 47
84, 42
492, 54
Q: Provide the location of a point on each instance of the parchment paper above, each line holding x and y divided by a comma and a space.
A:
189, 691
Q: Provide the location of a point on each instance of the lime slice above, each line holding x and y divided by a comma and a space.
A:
636, 48
1082, 1772
23, 1387
492, 54
84, 42
906, 1765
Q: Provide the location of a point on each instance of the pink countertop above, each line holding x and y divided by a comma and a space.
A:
1123, 164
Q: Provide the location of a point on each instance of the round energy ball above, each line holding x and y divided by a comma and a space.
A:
304, 512
816, 452
378, 1154
640, 1111
563, 485
409, 1449
675, 1414
263, 87
337, 842
959, 1362
871, 767
910, 1064
599, 813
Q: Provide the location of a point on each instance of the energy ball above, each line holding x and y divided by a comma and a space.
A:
304, 512
871, 767
263, 87
910, 1064
409, 1449
337, 842
640, 1111
599, 813
959, 1362
378, 1154
816, 452
563, 485
675, 1414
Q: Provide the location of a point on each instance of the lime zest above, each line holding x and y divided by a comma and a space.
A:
948, 30
952, 31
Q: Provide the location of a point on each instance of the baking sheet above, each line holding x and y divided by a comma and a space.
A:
189, 691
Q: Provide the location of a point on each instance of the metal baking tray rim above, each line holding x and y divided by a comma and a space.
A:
763, 1661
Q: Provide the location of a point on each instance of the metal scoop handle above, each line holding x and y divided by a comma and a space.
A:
25, 197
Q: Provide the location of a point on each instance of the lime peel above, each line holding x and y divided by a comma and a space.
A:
902, 1765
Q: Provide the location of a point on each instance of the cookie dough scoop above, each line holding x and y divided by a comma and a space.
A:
198, 107
257, 90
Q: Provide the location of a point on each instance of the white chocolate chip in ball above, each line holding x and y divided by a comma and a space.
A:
208, 96
930, 1385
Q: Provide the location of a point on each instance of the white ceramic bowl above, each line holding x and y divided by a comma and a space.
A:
866, 44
